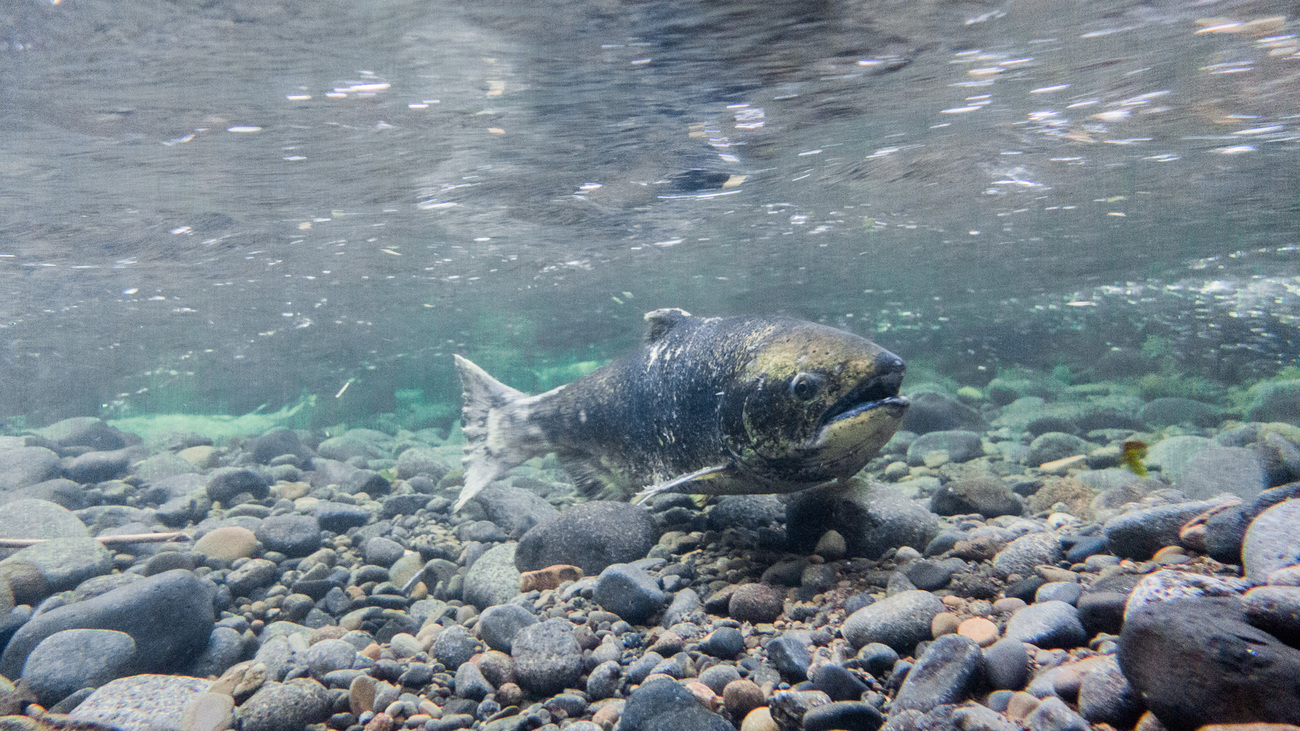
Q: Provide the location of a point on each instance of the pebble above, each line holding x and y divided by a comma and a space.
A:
140, 702
493, 578
980, 630
1138, 534
630, 592
293, 535
1105, 696
838, 684
227, 543
499, 624
790, 657
899, 621
547, 657
664, 704
725, 643
68, 661
756, 603
741, 697
590, 535
1006, 664
288, 706
946, 673
1026, 552
1049, 624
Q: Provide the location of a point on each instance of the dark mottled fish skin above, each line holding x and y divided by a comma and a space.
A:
714, 394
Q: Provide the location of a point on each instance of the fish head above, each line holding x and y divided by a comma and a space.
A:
811, 404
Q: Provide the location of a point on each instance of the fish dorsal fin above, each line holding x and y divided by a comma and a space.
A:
661, 321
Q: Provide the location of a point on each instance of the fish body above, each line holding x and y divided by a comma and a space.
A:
727, 405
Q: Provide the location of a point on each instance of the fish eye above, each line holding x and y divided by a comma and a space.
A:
804, 386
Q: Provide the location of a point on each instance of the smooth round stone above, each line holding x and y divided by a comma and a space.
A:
470, 683
141, 702
288, 706
227, 543
382, 551
68, 661
547, 657
227, 483
23, 466
1026, 552
900, 621
1006, 664
493, 578
1050, 624
1052, 714
1064, 591
327, 656
591, 535
1227, 670
63, 563
1105, 696
339, 517
718, 676
725, 642
757, 603
32, 518
499, 624
1276, 610
1272, 541
293, 535
631, 593
454, 646
603, 681
980, 630
878, 658
946, 673
759, 719
361, 694
1138, 534
790, 657
843, 715
838, 684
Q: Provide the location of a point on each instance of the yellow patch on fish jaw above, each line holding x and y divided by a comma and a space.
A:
844, 446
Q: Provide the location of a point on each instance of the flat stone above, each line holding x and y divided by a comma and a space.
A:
631, 593
68, 661
493, 578
590, 535
31, 518
1138, 534
227, 543
293, 535
1049, 624
899, 621
209, 712
1026, 552
945, 674
141, 702
63, 562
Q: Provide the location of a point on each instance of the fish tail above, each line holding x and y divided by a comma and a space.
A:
488, 418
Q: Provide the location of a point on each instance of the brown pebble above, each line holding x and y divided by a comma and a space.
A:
741, 696
548, 578
381, 722
1020, 705
668, 644
372, 651
757, 603
361, 694
1008, 605
509, 694
607, 716
944, 623
704, 694
979, 629
227, 543
759, 719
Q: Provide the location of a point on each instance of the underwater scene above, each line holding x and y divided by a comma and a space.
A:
628, 365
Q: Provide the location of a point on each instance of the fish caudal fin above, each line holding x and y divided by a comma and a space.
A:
489, 417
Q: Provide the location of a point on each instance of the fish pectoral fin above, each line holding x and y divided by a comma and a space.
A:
682, 483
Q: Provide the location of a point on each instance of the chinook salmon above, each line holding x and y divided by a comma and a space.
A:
717, 406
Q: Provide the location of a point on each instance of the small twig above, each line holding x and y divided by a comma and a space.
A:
106, 540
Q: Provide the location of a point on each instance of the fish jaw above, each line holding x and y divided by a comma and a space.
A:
849, 440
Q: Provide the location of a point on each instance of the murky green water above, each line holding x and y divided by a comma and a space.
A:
218, 206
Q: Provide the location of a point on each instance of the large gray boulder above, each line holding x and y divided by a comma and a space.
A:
169, 616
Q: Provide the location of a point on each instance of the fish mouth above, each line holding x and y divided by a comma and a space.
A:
880, 392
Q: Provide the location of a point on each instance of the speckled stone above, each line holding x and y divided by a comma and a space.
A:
141, 702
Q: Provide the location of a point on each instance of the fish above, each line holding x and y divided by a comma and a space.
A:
1131, 455
707, 406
